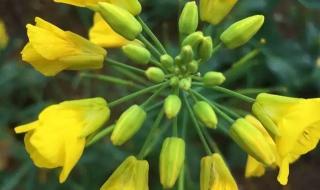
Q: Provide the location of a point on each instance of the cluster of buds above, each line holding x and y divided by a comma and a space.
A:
176, 95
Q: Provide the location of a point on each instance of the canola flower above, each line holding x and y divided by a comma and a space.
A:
281, 130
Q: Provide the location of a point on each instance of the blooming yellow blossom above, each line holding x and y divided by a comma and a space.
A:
57, 138
51, 50
215, 174
133, 6
103, 35
298, 122
4, 38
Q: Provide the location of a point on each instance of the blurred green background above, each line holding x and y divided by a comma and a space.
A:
289, 63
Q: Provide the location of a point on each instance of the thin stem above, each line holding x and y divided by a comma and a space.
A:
220, 112
229, 93
152, 36
181, 179
153, 106
110, 79
151, 134
175, 126
212, 143
135, 94
149, 45
123, 65
132, 75
216, 48
154, 95
196, 124
227, 110
101, 134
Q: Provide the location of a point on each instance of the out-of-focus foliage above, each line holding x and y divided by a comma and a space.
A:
288, 63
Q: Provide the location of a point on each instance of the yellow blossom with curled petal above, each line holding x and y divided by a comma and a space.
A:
4, 38
133, 6
58, 137
103, 35
298, 122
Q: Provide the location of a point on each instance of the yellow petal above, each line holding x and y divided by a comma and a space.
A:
80, 3
283, 172
27, 127
254, 168
4, 38
102, 34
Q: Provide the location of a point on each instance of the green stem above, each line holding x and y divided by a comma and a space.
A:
101, 134
154, 95
212, 143
216, 48
133, 76
196, 124
153, 106
151, 135
135, 94
175, 126
227, 110
220, 112
123, 65
152, 36
149, 45
181, 179
229, 93
110, 79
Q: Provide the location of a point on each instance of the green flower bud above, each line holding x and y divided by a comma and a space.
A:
174, 81
120, 20
171, 161
188, 21
167, 61
137, 53
131, 174
178, 60
250, 139
206, 49
214, 11
172, 105
193, 40
213, 78
242, 31
155, 74
128, 124
186, 54
193, 66
205, 114
185, 83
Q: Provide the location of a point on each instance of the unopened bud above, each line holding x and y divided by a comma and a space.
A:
155, 74
137, 53
120, 20
206, 114
242, 31
171, 161
213, 78
206, 49
214, 11
188, 21
193, 66
174, 81
185, 83
186, 54
172, 105
193, 40
250, 139
167, 61
128, 124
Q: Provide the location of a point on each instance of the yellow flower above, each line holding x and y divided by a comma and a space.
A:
214, 11
51, 50
215, 175
103, 35
132, 174
298, 122
4, 39
133, 6
58, 137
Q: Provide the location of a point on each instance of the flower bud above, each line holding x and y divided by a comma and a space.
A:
172, 105
174, 81
185, 83
250, 139
206, 49
120, 20
193, 66
186, 54
242, 31
132, 174
213, 78
137, 53
155, 74
167, 61
171, 161
188, 21
215, 174
193, 40
128, 124
214, 11
205, 114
